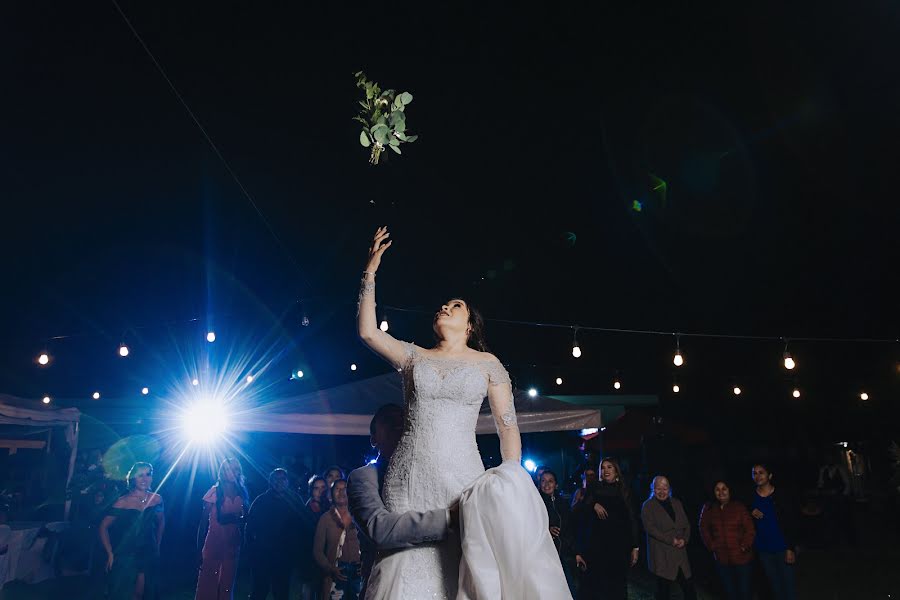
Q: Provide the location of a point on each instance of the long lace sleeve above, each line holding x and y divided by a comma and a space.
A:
383, 344
500, 398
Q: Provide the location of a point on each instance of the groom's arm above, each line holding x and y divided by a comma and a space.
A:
386, 529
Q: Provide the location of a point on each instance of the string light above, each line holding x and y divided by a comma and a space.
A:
145, 390
559, 381
299, 374
211, 337
46, 400
576, 349
616, 384
384, 323
796, 393
678, 359
789, 362
195, 381
353, 367
737, 391
304, 321
863, 396
123, 350
96, 396
43, 359
532, 393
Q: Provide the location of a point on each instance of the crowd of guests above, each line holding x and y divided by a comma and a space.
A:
598, 535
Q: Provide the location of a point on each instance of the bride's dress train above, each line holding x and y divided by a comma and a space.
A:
504, 548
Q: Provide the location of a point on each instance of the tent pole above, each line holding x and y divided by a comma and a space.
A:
72, 455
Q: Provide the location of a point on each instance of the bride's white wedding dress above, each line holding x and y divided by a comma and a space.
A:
504, 548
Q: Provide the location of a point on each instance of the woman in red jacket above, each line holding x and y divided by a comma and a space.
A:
727, 531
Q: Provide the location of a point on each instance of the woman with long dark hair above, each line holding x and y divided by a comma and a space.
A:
224, 507
131, 533
318, 495
607, 542
506, 548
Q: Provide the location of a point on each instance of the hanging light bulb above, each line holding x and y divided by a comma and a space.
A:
384, 323
353, 367
576, 349
299, 374
532, 393
796, 393
559, 381
678, 359
737, 391
145, 390
676, 388
43, 359
211, 337
789, 363
123, 350
305, 320
46, 400
863, 396
96, 396
616, 384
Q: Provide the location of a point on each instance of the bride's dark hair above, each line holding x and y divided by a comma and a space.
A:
476, 338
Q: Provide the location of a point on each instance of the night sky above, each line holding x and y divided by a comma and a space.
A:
775, 131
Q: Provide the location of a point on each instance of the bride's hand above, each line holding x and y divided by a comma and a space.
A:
377, 249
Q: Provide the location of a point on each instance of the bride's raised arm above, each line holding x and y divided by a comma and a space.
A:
503, 408
387, 346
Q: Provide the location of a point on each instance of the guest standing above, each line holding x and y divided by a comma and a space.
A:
318, 495
588, 477
224, 506
131, 533
606, 542
561, 525
273, 530
775, 517
727, 531
668, 533
336, 548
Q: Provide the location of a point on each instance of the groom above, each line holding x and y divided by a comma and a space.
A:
380, 528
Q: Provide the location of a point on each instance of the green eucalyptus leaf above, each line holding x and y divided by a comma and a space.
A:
394, 141
400, 135
381, 133
406, 97
398, 115
400, 126
395, 149
364, 139
411, 138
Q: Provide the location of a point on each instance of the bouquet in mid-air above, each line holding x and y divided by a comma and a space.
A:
383, 117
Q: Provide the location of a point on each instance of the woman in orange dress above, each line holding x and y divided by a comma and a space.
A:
224, 507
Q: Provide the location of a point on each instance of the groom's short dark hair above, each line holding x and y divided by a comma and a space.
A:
382, 413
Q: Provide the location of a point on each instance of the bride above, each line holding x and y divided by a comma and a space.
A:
503, 548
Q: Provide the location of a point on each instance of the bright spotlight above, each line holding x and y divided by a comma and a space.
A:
44, 359
46, 400
249, 379
204, 422
529, 465
796, 393
863, 396
353, 367
123, 350
96, 396
737, 391
211, 337
532, 393
195, 381
678, 359
299, 374
559, 381
384, 325
589, 431
616, 384
676, 388
145, 391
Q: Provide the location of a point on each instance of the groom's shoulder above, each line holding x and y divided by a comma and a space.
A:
366, 473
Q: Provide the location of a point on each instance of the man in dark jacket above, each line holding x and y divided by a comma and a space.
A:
273, 526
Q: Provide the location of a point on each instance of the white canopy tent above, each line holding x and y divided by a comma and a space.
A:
347, 410
14, 411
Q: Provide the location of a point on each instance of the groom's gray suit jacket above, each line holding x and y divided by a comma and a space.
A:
381, 529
